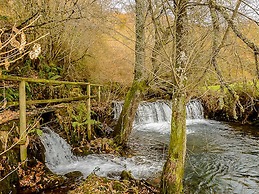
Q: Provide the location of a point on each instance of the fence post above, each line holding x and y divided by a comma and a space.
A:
89, 132
22, 115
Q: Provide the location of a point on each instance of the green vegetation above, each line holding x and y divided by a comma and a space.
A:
98, 185
221, 105
179, 57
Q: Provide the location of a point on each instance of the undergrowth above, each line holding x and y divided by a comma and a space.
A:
99, 185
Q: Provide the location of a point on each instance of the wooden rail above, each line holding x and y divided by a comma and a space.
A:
22, 104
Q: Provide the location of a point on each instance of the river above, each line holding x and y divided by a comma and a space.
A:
221, 157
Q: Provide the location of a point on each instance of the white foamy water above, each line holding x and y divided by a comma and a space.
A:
60, 160
160, 111
151, 118
219, 160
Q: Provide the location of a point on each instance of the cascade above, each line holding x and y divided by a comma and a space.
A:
220, 159
160, 111
194, 110
152, 118
60, 160
58, 151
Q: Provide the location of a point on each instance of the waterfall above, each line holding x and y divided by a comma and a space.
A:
58, 151
153, 112
60, 160
194, 110
152, 118
160, 111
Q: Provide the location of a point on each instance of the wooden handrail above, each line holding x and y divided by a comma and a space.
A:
22, 103
59, 100
46, 81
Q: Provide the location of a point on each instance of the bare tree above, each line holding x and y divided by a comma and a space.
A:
171, 20
125, 122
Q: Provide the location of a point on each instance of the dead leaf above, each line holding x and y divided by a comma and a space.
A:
15, 43
8, 115
27, 141
1, 167
36, 50
23, 42
6, 64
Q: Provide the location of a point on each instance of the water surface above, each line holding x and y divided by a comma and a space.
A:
221, 158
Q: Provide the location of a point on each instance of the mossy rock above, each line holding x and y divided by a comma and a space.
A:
74, 176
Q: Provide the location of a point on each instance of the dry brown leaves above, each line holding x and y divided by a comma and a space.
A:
32, 177
8, 115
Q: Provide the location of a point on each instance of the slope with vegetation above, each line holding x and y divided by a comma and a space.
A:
212, 55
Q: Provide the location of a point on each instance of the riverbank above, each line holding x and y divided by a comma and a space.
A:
100, 145
100, 185
242, 106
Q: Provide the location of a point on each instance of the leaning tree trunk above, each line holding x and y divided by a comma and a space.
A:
173, 172
232, 24
124, 126
125, 122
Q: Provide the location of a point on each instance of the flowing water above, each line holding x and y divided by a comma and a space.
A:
220, 158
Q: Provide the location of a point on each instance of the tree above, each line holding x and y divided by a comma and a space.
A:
216, 47
125, 122
173, 171
74, 28
174, 15
238, 33
15, 46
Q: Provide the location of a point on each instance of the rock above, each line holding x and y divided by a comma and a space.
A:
126, 175
74, 176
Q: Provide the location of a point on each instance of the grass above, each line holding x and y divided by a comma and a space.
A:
101, 185
239, 86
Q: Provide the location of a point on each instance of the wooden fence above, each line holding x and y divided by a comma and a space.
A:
23, 102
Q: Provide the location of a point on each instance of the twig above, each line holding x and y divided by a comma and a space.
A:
13, 170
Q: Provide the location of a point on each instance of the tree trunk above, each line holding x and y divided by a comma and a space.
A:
252, 45
125, 122
172, 176
173, 172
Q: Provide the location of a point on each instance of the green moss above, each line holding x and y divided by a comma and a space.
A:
99, 185
2, 17
238, 106
125, 122
214, 88
173, 172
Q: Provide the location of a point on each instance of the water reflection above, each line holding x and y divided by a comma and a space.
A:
221, 157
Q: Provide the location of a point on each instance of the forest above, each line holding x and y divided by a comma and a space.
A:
144, 96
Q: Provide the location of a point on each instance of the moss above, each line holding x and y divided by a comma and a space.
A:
125, 122
242, 107
99, 185
173, 172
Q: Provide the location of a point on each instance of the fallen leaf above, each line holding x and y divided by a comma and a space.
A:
6, 64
